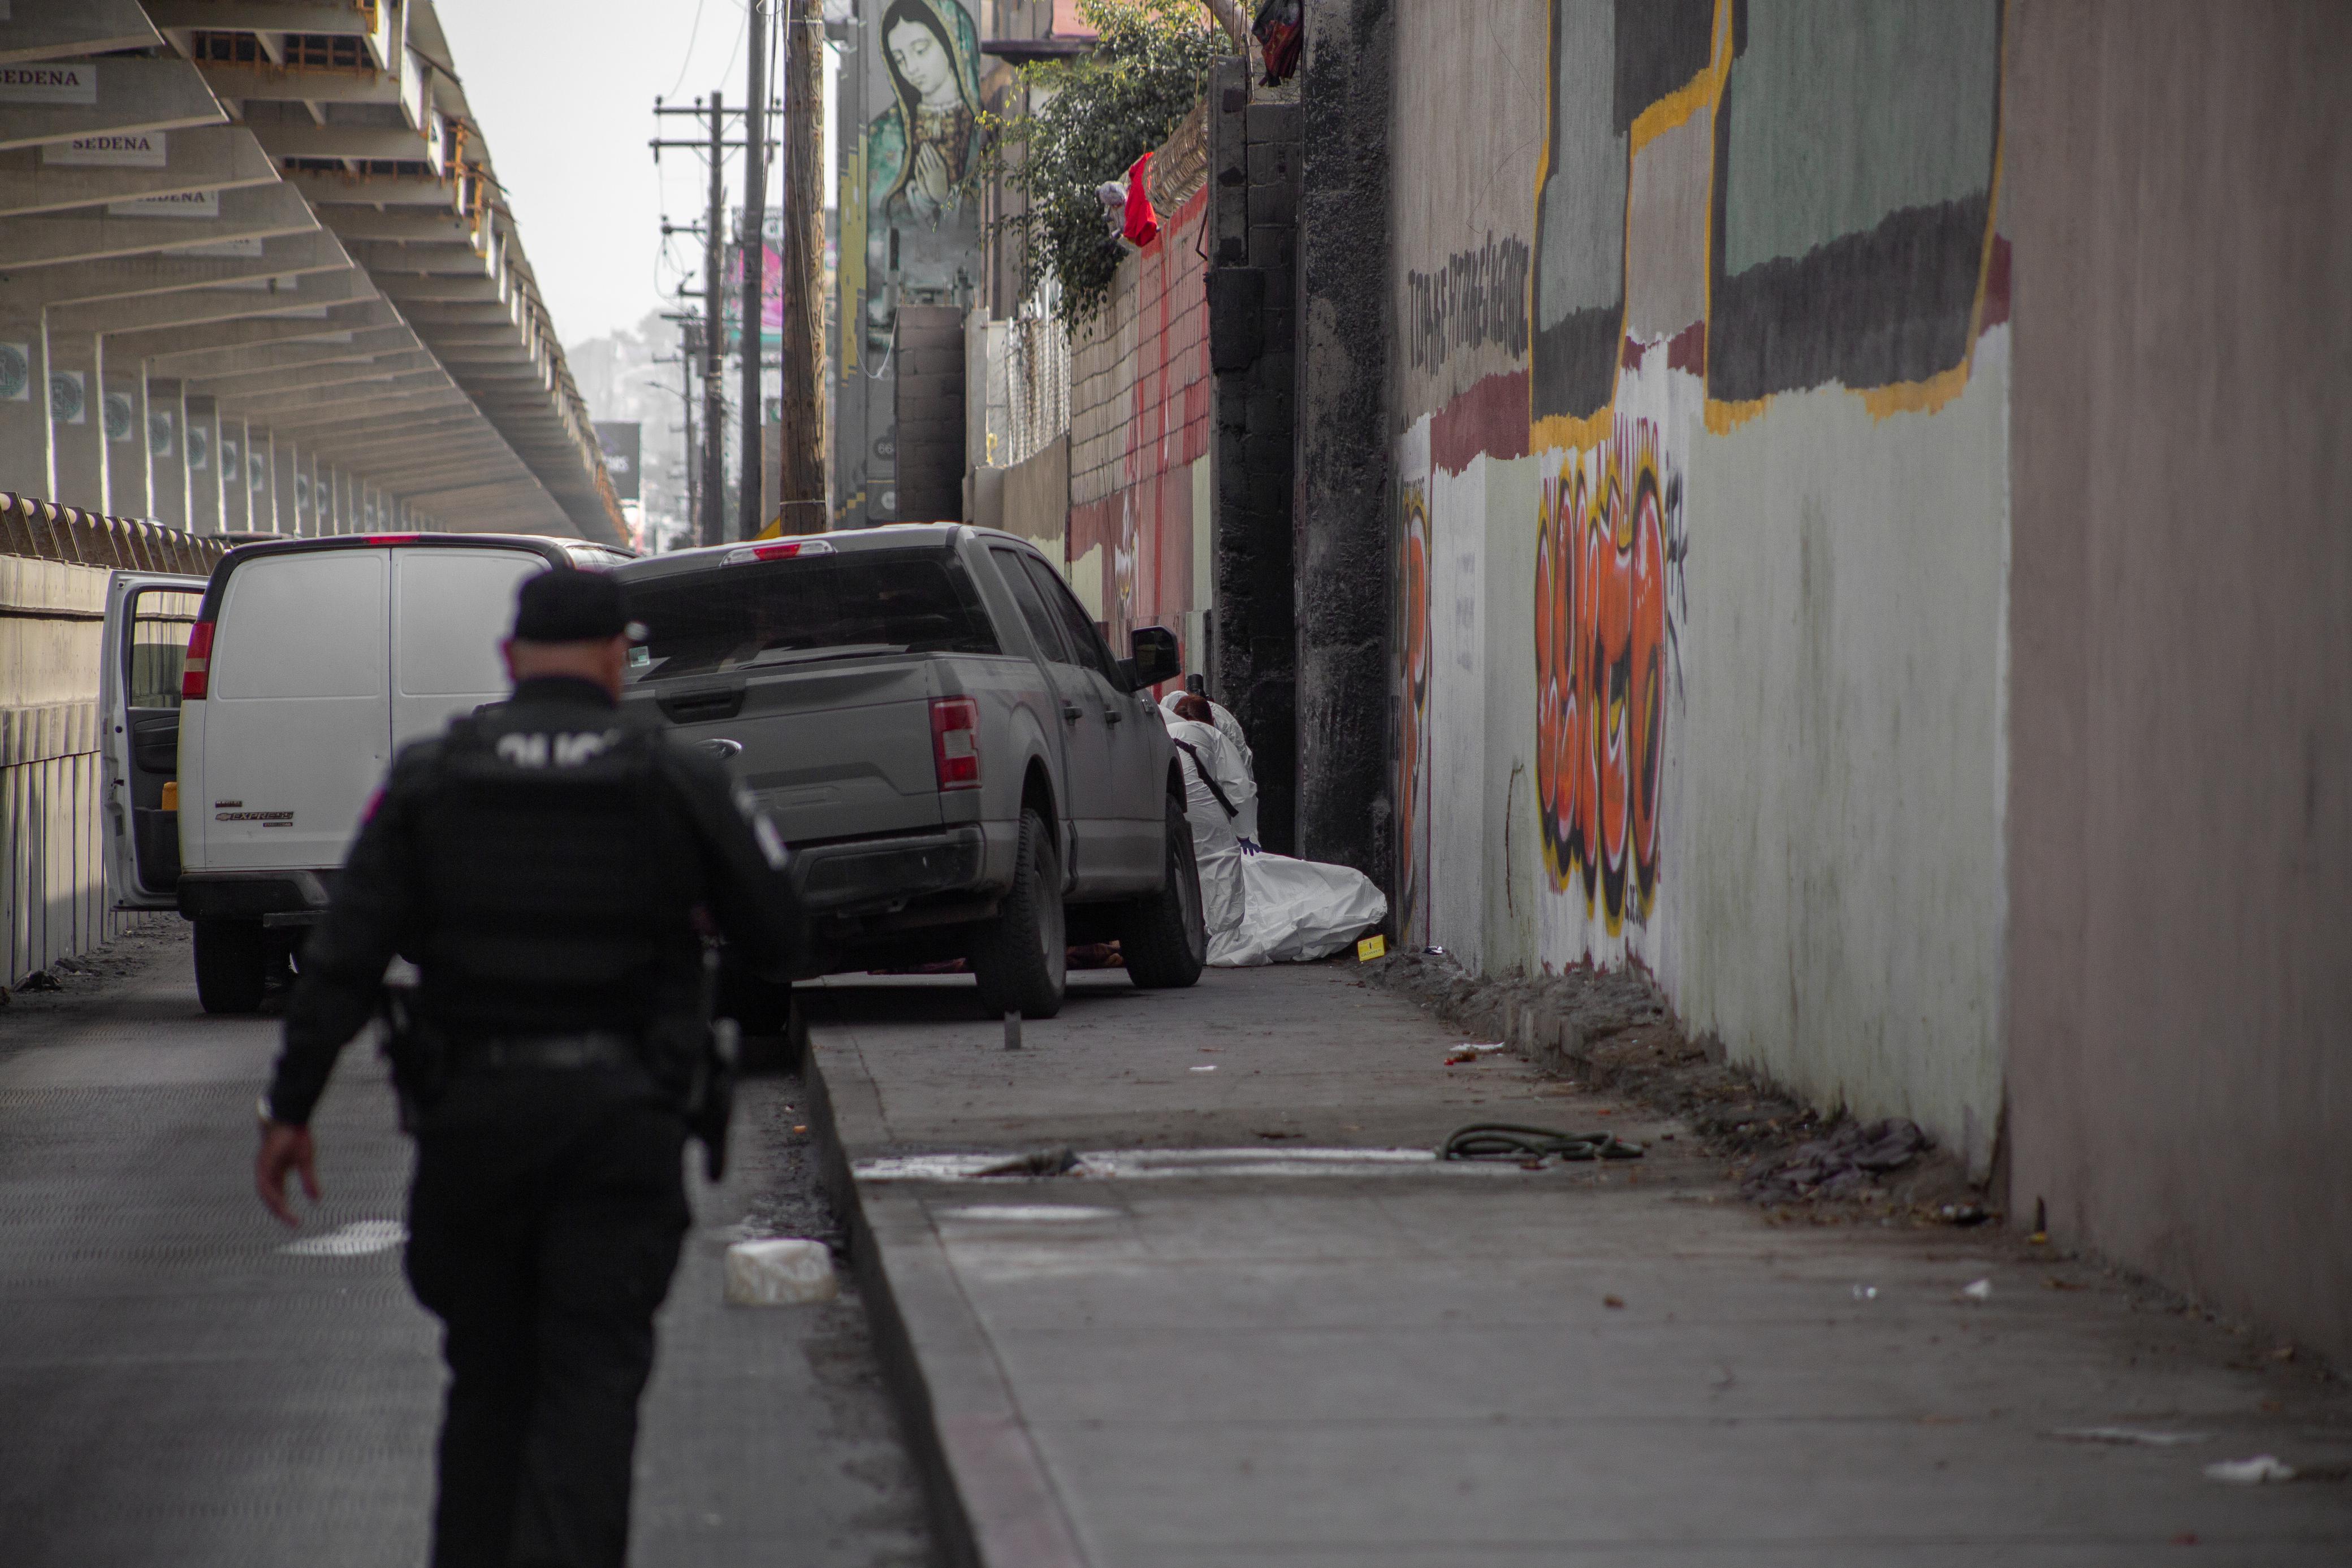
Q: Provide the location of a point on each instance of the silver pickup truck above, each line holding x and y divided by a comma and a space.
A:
932, 721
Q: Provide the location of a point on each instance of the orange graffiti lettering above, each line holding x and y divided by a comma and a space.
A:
1601, 667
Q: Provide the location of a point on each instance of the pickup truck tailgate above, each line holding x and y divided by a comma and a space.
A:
838, 751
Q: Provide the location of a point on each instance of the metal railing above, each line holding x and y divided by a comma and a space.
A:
54, 563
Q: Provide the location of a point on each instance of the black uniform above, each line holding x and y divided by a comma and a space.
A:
544, 865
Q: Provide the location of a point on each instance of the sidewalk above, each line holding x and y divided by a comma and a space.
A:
1425, 1365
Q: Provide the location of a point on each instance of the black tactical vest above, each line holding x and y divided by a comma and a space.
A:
551, 893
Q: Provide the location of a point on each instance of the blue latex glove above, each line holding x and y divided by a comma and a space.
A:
1250, 847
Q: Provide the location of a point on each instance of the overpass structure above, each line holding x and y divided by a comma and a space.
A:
257, 275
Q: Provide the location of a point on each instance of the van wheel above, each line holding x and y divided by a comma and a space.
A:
1023, 955
1162, 936
232, 961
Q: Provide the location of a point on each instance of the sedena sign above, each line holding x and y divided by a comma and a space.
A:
50, 81
118, 149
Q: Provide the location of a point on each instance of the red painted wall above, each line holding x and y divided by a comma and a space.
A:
1131, 496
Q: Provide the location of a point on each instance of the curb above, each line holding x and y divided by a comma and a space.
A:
988, 1499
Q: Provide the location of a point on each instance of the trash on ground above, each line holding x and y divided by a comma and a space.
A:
2260, 1470
357, 1240
1206, 1067
1841, 1162
1029, 1213
1614, 1304
1035, 1162
1964, 1214
1865, 1292
1471, 1050
1978, 1290
1135, 1165
2128, 1435
39, 980
780, 1272
1435, 951
1509, 1140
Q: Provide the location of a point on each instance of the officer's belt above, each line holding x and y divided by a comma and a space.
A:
598, 1048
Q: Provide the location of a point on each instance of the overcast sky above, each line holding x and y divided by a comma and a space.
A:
565, 98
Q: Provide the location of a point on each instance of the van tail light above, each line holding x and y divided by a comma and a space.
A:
196, 674
955, 742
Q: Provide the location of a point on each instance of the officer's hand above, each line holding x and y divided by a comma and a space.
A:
284, 1148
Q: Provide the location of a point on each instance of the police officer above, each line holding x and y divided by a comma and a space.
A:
550, 867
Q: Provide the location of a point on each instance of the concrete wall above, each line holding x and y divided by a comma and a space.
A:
1346, 806
1701, 461
1253, 185
2180, 783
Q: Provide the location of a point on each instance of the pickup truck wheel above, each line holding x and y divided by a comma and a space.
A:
231, 962
1021, 959
1162, 936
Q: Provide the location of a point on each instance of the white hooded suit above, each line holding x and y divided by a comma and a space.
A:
1259, 908
1216, 833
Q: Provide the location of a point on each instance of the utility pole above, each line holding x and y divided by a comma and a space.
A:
711, 514
688, 323
714, 341
755, 249
800, 490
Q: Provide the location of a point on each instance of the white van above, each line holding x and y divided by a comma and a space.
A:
271, 699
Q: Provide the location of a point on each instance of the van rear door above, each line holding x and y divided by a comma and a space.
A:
147, 617
298, 721
451, 607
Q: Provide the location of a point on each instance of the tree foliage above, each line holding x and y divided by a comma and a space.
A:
1095, 115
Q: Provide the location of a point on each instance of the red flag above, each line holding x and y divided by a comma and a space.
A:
1142, 224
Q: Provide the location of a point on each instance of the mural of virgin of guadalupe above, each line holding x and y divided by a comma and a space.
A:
923, 151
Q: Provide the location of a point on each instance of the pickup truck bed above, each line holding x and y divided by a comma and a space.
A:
958, 763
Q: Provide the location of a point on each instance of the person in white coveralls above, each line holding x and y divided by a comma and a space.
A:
1259, 908
1221, 802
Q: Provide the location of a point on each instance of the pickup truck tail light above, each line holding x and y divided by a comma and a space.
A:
955, 742
197, 674
778, 549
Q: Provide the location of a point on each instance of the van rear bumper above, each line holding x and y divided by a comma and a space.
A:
858, 876
255, 895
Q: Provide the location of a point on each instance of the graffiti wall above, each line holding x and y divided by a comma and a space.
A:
1703, 519
911, 160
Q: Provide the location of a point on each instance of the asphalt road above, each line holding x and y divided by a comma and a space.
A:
183, 1382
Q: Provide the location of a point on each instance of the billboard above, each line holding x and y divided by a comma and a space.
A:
772, 284
621, 440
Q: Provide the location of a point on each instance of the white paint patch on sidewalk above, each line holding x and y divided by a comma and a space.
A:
357, 1240
1028, 1213
1133, 1165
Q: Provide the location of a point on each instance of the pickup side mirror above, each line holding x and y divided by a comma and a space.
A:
1154, 657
